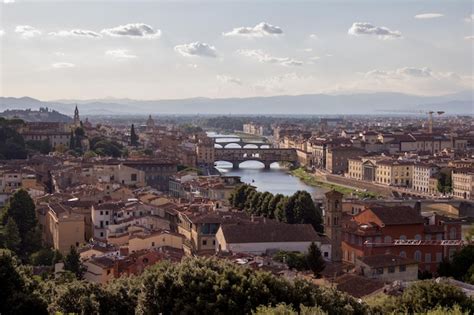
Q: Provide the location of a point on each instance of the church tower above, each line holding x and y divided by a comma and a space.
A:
77, 120
332, 222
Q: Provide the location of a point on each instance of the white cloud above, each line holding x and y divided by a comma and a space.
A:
308, 49
8, 1
313, 36
362, 28
120, 54
259, 30
2, 32
469, 37
59, 53
76, 33
196, 49
428, 15
399, 73
470, 18
228, 79
135, 30
63, 65
27, 31
262, 56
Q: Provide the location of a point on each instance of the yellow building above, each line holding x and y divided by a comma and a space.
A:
463, 183
155, 239
63, 228
394, 173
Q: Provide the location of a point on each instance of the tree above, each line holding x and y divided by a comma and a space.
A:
272, 205
460, 264
16, 295
72, 141
43, 257
21, 209
12, 238
427, 294
72, 263
133, 136
315, 260
280, 208
305, 211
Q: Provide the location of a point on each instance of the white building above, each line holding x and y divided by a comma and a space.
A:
258, 239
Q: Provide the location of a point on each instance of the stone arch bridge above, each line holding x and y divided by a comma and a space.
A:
241, 142
266, 156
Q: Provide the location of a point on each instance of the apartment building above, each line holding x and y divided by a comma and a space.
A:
422, 173
463, 183
394, 173
337, 158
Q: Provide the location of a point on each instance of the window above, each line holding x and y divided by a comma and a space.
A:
106, 212
428, 237
326, 254
439, 257
418, 237
428, 258
403, 268
152, 244
204, 242
102, 213
387, 239
452, 233
417, 255
403, 237
101, 234
133, 177
391, 269
379, 271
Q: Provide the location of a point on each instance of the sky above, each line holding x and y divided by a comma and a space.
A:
147, 50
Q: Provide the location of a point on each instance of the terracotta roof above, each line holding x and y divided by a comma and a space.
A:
378, 261
358, 286
269, 232
398, 215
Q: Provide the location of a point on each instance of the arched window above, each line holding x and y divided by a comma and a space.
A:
403, 237
403, 254
387, 239
418, 237
417, 255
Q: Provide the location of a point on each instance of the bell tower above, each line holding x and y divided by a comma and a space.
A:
332, 222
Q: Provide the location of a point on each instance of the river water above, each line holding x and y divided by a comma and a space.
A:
276, 180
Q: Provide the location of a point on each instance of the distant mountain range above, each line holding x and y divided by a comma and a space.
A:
362, 103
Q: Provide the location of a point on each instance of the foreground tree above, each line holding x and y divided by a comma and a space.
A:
21, 209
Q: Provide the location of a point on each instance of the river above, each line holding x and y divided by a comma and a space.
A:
276, 180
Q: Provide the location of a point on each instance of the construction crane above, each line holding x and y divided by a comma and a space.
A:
430, 115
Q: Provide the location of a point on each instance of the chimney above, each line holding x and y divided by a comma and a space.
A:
252, 218
264, 220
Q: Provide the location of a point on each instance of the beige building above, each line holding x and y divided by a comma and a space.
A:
394, 173
463, 183
141, 241
62, 228
388, 268
205, 152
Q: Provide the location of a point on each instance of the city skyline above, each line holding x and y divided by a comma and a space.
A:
165, 50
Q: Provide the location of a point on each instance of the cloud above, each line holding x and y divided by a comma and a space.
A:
259, 30
76, 33
196, 49
228, 79
471, 37
470, 18
27, 31
8, 1
362, 28
120, 54
428, 15
401, 72
2, 32
262, 56
135, 30
59, 54
313, 36
63, 65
